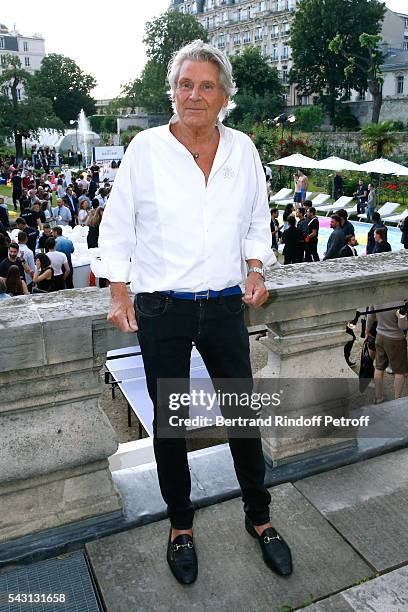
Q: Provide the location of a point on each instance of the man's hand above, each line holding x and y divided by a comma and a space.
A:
121, 313
256, 293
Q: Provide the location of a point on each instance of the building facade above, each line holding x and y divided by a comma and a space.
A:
234, 24
30, 50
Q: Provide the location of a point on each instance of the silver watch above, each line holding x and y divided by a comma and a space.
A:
260, 271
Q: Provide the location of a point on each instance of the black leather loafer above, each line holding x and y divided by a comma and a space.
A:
182, 558
276, 553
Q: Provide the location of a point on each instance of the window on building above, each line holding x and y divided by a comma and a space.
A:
221, 41
274, 53
259, 33
247, 37
1, 42
237, 38
26, 62
275, 6
3, 60
284, 74
275, 31
400, 84
405, 45
285, 52
18, 94
25, 47
5, 90
285, 28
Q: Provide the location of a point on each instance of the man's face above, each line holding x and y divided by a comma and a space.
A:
377, 237
36, 207
199, 96
12, 253
69, 191
60, 203
47, 232
299, 214
333, 224
353, 241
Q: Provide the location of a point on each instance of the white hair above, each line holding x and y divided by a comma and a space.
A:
199, 51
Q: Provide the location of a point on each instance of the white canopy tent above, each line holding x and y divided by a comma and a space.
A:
337, 164
384, 166
63, 142
297, 160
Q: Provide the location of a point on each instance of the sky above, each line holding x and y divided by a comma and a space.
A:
104, 38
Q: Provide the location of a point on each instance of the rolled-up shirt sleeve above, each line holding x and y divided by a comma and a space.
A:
257, 244
117, 233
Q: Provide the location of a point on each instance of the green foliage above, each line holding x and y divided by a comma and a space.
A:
309, 118
266, 141
103, 123
168, 33
62, 81
367, 60
153, 88
316, 67
163, 37
128, 135
260, 93
344, 119
19, 119
379, 138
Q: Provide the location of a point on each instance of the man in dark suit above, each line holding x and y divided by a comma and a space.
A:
4, 217
349, 248
336, 240
71, 202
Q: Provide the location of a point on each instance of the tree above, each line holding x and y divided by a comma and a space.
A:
316, 68
163, 37
308, 118
379, 138
369, 62
62, 81
260, 93
21, 118
168, 33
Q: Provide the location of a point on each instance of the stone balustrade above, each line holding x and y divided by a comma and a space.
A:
55, 439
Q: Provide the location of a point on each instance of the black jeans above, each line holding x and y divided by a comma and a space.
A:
311, 253
167, 329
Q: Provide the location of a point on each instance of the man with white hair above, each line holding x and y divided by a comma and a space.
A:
187, 222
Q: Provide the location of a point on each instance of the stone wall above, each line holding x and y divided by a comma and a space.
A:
351, 142
54, 437
392, 109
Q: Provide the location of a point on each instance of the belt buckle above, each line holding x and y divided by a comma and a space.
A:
201, 294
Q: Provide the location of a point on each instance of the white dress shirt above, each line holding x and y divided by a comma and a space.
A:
25, 253
164, 229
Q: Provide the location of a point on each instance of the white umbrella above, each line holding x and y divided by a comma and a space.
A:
384, 166
338, 164
297, 160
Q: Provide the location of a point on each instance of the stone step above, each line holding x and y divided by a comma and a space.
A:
367, 503
132, 572
388, 593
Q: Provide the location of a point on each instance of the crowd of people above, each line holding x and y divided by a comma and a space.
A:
299, 233
40, 259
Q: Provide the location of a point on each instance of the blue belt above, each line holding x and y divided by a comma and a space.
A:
204, 295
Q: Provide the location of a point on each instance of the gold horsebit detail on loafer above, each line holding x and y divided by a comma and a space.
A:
268, 539
177, 546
